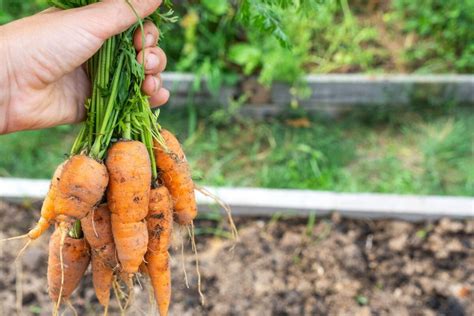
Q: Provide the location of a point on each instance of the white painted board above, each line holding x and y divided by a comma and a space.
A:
267, 202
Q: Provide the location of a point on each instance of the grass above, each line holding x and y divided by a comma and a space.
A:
412, 152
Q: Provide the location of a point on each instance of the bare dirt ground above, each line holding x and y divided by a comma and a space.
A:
338, 267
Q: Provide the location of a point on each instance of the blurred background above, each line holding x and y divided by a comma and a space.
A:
310, 265
424, 147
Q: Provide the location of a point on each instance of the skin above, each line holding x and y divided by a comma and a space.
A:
43, 82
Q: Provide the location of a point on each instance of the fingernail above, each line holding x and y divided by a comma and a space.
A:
149, 40
157, 83
152, 62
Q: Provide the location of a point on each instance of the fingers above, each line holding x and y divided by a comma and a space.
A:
150, 36
152, 86
160, 98
155, 63
114, 16
155, 60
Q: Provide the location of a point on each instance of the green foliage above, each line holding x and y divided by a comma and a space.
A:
34, 154
444, 34
263, 16
221, 39
14, 9
449, 158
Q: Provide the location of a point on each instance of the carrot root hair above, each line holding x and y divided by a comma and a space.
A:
183, 261
23, 249
69, 305
129, 300
61, 261
119, 295
14, 238
106, 310
225, 207
196, 260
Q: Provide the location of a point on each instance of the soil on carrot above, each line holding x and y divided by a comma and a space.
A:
279, 267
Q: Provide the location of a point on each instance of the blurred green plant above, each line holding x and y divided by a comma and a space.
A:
15, 9
222, 39
443, 31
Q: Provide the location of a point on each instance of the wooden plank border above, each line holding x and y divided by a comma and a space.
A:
334, 93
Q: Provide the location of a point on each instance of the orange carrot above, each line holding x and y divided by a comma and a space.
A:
75, 259
47, 209
81, 187
102, 278
129, 168
98, 233
159, 224
77, 186
175, 173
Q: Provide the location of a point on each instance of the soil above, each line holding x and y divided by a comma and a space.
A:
280, 267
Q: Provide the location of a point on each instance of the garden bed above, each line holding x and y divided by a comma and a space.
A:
284, 266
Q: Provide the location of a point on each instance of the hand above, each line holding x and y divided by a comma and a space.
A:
42, 79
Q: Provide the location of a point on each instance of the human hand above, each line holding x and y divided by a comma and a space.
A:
42, 79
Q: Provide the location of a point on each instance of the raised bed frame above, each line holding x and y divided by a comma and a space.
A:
335, 93
258, 202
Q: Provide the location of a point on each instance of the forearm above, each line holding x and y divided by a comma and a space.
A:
5, 92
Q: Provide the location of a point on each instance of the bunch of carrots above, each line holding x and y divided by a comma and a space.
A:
114, 215
113, 201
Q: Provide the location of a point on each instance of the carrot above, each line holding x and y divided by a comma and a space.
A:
80, 188
75, 259
47, 209
176, 176
98, 233
128, 194
102, 278
160, 224
77, 186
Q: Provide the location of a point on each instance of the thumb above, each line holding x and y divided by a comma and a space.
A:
110, 17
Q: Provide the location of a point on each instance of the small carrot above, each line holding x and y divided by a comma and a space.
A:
77, 186
102, 278
98, 233
65, 269
160, 224
128, 194
81, 187
47, 209
175, 173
